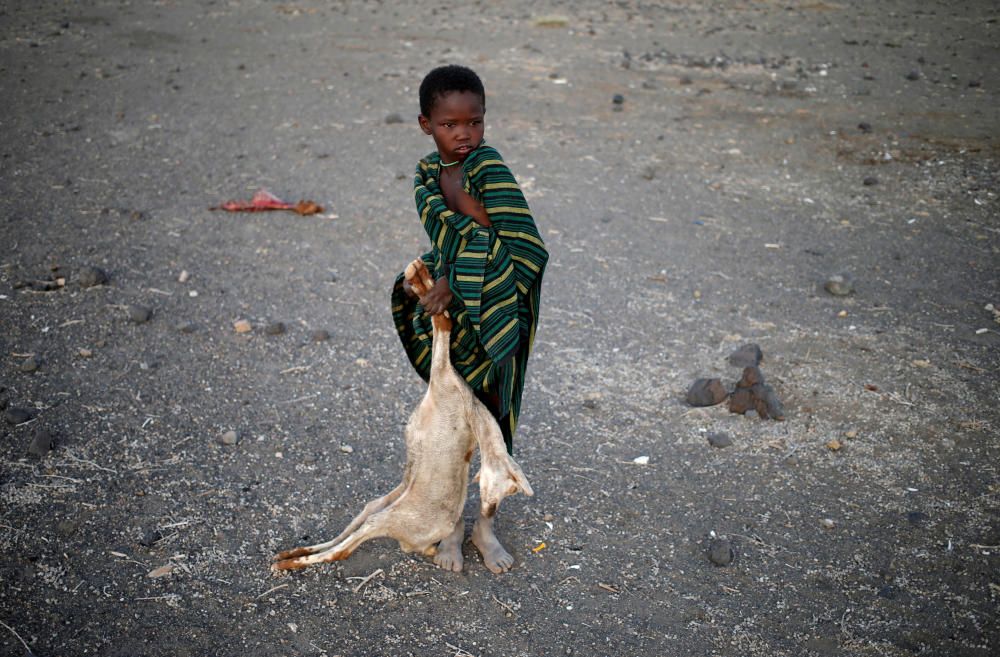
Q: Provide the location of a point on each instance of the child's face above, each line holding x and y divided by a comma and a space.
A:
456, 124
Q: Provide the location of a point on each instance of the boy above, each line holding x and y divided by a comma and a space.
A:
487, 258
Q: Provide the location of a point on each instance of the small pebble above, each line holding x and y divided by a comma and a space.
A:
41, 444
834, 445
975, 83
913, 75
721, 552
275, 328
869, 181
827, 523
618, 99
31, 363
851, 434
91, 276
229, 438
685, 80
183, 277
186, 327
85, 353
839, 285
242, 326
719, 440
641, 460
395, 117
16, 415
320, 335
865, 127
140, 314
346, 449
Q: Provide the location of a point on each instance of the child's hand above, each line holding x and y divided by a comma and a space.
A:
437, 300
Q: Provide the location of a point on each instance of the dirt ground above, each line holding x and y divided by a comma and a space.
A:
756, 148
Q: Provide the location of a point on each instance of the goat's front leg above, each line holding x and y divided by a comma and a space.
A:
372, 507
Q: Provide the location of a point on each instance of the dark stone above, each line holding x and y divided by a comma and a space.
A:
772, 405
41, 444
395, 117
865, 127
320, 335
719, 440
749, 355
140, 314
740, 401
869, 181
913, 75
706, 392
751, 377
975, 83
91, 276
618, 99
275, 328
721, 552
16, 415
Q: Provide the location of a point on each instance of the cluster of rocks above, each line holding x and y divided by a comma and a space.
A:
749, 393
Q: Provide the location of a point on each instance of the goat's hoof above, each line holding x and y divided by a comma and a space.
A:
287, 564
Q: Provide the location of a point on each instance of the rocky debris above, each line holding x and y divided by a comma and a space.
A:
150, 537
752, 393
320, 335
839, 285
749, 355
721, 552
275, 328
41, 444
31, 363
706, 392
140, 314
719, 440
15, 416
91, 277
229, 437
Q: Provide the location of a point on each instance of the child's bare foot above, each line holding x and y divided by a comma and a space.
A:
496, 558
449, 550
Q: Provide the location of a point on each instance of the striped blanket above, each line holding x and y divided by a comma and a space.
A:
495, 275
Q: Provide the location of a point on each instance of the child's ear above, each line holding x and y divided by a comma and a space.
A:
425, 124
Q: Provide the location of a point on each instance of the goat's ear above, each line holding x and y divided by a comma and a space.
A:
522, 482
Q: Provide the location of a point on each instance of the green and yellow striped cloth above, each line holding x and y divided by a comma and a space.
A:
495, 275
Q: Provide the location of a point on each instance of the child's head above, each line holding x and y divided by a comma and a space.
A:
452, 106
445, 79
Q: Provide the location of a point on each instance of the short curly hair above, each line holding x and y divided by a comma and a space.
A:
445, 79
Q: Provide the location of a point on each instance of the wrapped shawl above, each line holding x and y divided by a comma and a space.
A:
495, 275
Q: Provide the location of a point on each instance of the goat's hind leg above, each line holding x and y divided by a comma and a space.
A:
372, 507
377, 525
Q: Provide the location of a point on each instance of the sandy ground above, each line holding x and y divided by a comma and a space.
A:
757, 149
